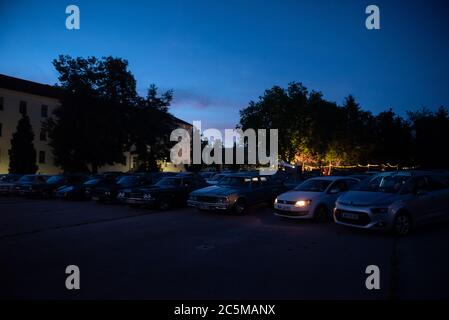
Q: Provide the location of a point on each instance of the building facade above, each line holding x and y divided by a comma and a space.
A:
38, 101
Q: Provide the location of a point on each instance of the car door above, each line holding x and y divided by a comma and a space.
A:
439, 190
255, 193
422, 204
334, 190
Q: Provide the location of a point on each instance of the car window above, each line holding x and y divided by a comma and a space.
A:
417, 184
235, 181
340, 185
351, 183
437, 183
314, 185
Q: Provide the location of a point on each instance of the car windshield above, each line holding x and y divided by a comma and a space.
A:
26, 179
127, 180
216, 177
314, 185
172, 182
55, 179
391, 183
234, 181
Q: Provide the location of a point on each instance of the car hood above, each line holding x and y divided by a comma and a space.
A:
366, 198
217, 191
153, 189
299, 195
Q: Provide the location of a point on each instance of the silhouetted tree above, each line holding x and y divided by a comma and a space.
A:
90, 128
151, 125
430, 130
22, 157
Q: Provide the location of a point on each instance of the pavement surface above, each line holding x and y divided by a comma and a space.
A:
129, 253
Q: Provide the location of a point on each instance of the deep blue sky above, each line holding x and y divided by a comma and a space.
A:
219, 55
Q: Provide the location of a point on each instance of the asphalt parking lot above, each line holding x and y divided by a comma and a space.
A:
129, 253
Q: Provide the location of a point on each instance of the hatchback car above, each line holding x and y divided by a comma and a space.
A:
395, 201
314, 198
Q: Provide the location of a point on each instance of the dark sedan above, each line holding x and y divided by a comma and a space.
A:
167, 193
237, 192
29, 185
8, 182
108, 192
47, 189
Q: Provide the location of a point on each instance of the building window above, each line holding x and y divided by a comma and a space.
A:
41, 156
43, 135
1, 103
44, 111
23, 107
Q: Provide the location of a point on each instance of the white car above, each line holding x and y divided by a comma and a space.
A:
314, 198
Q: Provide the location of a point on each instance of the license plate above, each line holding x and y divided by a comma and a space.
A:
351, 216
203, 206
132, 201
95, 198
285, 208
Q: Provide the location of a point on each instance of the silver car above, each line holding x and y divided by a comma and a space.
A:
395, 201
314, 198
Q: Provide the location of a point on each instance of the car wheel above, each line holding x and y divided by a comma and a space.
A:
164, 203
240, 206
402, 224
320, 214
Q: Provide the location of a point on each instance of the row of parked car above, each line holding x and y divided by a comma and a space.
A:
395, 201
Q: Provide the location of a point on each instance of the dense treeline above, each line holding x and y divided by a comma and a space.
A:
315, 131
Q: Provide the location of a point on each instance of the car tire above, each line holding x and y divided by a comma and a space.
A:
240, 206
165, 203
321, 214
402, 224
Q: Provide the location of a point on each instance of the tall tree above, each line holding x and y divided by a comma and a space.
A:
151, 128
22, 157
90, 128
430, 130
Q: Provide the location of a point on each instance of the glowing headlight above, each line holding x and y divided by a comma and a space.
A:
302, 203
276, 200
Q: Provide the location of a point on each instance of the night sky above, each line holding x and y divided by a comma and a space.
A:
219, 55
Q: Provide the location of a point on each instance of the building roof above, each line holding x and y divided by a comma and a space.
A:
45, 90
16, 84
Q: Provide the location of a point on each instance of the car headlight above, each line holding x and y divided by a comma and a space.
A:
302, 203
276, 200
121, 195
222, 200
379, 210
147, 196
107, 193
